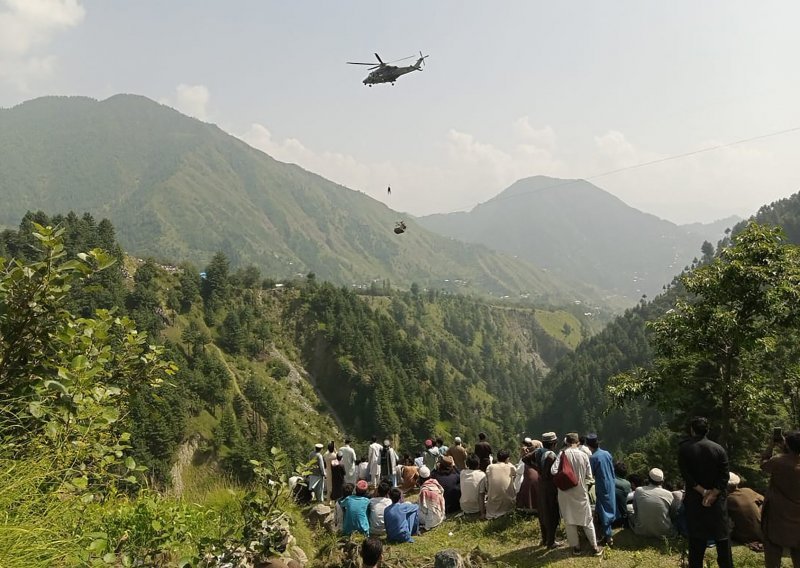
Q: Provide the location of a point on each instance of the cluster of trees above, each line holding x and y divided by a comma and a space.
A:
413, 364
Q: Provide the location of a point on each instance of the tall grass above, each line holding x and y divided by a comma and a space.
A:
37, 527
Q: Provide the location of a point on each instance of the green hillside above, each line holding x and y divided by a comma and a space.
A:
178, 188
580, 232
625, 344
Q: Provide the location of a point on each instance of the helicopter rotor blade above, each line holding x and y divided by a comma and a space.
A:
403, 59
379, 58
358, 63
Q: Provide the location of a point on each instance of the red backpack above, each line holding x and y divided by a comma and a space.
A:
565, 478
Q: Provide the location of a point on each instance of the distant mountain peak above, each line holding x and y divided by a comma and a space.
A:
578, 231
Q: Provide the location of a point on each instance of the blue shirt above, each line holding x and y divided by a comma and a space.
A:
603, 470
401, 521
356, 518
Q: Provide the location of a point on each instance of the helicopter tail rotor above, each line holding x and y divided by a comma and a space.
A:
421, 61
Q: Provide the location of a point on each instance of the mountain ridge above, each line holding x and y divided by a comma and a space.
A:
576, 230
176, 187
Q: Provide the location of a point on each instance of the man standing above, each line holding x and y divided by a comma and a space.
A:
316, 479
605, 498
704, 467
442, 446
431, 456
484, 451
547, 496
574, 502
328, 458
389, 462
459, 454
374, 460
349, 460
782, 503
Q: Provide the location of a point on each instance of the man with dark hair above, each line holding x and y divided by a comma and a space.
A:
377, 506
470, 482
401, 520
704, 467
442, 446
622, 488
449, 479
498, 486
781, 517
371, 553
356, 511
484, 451
602, 465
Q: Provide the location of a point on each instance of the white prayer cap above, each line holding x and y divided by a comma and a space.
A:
457, 439
656, 475
734, 479
424, 472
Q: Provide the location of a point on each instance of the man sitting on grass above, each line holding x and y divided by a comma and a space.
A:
401, 520
355, 509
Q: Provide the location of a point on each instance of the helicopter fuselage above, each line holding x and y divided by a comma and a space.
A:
390, 73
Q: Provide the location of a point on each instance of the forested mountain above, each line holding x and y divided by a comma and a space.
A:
178, 188
582, 376
252, 357
576, 230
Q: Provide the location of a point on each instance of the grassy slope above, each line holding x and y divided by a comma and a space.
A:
513, 542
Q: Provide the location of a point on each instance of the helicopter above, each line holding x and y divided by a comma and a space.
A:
386, 73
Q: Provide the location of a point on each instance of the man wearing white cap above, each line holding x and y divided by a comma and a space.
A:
651, 507
316, 479
431, 500
459, 454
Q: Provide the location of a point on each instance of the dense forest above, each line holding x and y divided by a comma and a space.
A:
408, 365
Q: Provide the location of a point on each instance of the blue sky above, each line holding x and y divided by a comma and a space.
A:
511, 89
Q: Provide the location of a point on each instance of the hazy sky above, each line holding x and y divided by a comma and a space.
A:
511, 89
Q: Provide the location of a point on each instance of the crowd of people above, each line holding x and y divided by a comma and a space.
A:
571, 479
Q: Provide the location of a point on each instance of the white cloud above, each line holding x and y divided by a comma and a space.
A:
26, 28
541, 137
192, 100
471, 170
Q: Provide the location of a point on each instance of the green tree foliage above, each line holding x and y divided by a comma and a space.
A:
66, 381
715, 352
216, 285
383, 372
189, 286
100, 290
